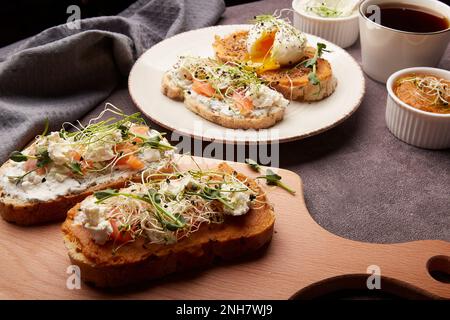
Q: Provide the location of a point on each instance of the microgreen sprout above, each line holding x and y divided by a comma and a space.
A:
274, 179
166, 218
41, 156
312, 76
431, 90
105, 194
77, 140
18, 156
312, 63
151, 209
253, 164
225, 78
42, 159
324, 10
18, 179
46, 126
75, 167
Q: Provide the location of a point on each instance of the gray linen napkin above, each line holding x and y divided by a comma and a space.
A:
62, 73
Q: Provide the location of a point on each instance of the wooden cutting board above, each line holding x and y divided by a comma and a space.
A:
303, 261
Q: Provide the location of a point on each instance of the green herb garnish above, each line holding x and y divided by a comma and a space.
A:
208, 193
105, 194
154, 142
173, 222
312, 63
166, 218
124, 131
275, 180
18, 179
312, 77
168, 214
325, 11
46, 126
18, 156
43, 158
75, 167
238, 76
253, 164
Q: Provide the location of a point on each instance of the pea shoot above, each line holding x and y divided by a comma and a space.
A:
312, 63
253, 164
271, 177
274, 179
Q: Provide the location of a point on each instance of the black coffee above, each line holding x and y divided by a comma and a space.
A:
410, 18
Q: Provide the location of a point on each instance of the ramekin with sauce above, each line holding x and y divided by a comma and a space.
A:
332, 20
416, 112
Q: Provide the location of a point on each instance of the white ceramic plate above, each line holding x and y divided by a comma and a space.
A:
301, 119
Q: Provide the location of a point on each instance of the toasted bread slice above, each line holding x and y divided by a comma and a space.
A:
29, 212
292, 82
136, 262
170, 90
207, 113
196, 106
40, 183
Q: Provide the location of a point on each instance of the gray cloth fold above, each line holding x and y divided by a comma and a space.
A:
60, 74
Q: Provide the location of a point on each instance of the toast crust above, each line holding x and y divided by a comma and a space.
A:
169, 90
172, 91
28, 213
233, 122
293, 83
137, 262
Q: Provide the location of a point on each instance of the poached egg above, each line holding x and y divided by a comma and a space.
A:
273, 43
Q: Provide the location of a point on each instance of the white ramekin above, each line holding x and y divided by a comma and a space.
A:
416, 127
341, 31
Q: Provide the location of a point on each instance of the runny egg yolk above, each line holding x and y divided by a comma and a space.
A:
261, 51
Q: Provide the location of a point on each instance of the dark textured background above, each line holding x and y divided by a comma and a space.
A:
360, 181
20, 19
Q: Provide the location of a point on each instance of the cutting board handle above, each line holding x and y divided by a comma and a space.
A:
403, 269
413, 269
330, 262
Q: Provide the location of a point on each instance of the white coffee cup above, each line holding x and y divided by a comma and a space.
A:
385, 50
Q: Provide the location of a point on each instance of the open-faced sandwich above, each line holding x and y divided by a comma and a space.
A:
280, 55
60, 169
227, 94
168, 224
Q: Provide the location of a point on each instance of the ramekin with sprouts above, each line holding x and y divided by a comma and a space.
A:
418, 110
332, 20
